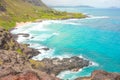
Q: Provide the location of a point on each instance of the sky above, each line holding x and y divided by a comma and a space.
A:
94, 3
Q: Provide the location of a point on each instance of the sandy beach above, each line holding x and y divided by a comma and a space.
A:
18, 24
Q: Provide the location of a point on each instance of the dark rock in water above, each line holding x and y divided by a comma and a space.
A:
32, 37
56, 65
101, 75
46, 49
24, 34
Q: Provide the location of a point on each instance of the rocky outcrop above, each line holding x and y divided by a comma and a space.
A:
14, 66
11, 62
101, 75
56, 65
8, 43
14, 60
22, 76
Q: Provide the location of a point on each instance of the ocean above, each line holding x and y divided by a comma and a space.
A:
96, 38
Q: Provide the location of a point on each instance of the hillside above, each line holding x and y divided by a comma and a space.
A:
12, 11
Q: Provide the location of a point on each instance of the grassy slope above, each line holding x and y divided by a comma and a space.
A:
20, 11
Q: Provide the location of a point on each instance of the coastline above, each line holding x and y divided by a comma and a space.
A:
46, 48
76, 69
40, 20
46, 20
22, 23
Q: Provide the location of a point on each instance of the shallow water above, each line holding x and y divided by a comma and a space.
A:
96, 38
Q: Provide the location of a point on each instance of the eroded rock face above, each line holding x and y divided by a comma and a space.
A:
101, 75
14, 60
14, 66
22, 76
8, 43
55, 65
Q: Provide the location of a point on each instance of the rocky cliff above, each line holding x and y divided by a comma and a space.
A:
8, 43
14, 60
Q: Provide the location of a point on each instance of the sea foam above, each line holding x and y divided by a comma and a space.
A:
97, 17
44, 54
68, 21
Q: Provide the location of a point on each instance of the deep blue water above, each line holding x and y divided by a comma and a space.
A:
96, 39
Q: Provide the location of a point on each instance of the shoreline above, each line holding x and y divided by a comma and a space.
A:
18, 24
76, 70
41, 20
33, 22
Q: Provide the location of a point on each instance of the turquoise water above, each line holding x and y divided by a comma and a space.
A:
96, 38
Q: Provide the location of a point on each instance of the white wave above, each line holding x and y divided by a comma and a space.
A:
94, 63
73, 19
36, 46
39, 26
43, 37
68, 21
97, 17
21, 38
63, 73
56, 34
66, 55
73, 23
22, 29
44, 54
63, 56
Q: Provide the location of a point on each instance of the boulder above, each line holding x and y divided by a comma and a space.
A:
24, 34
46, 49
56, 65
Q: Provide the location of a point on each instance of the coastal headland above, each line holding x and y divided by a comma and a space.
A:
16, 61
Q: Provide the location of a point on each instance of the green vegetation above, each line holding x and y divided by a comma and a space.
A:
19, 51
20, 11
36, 64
